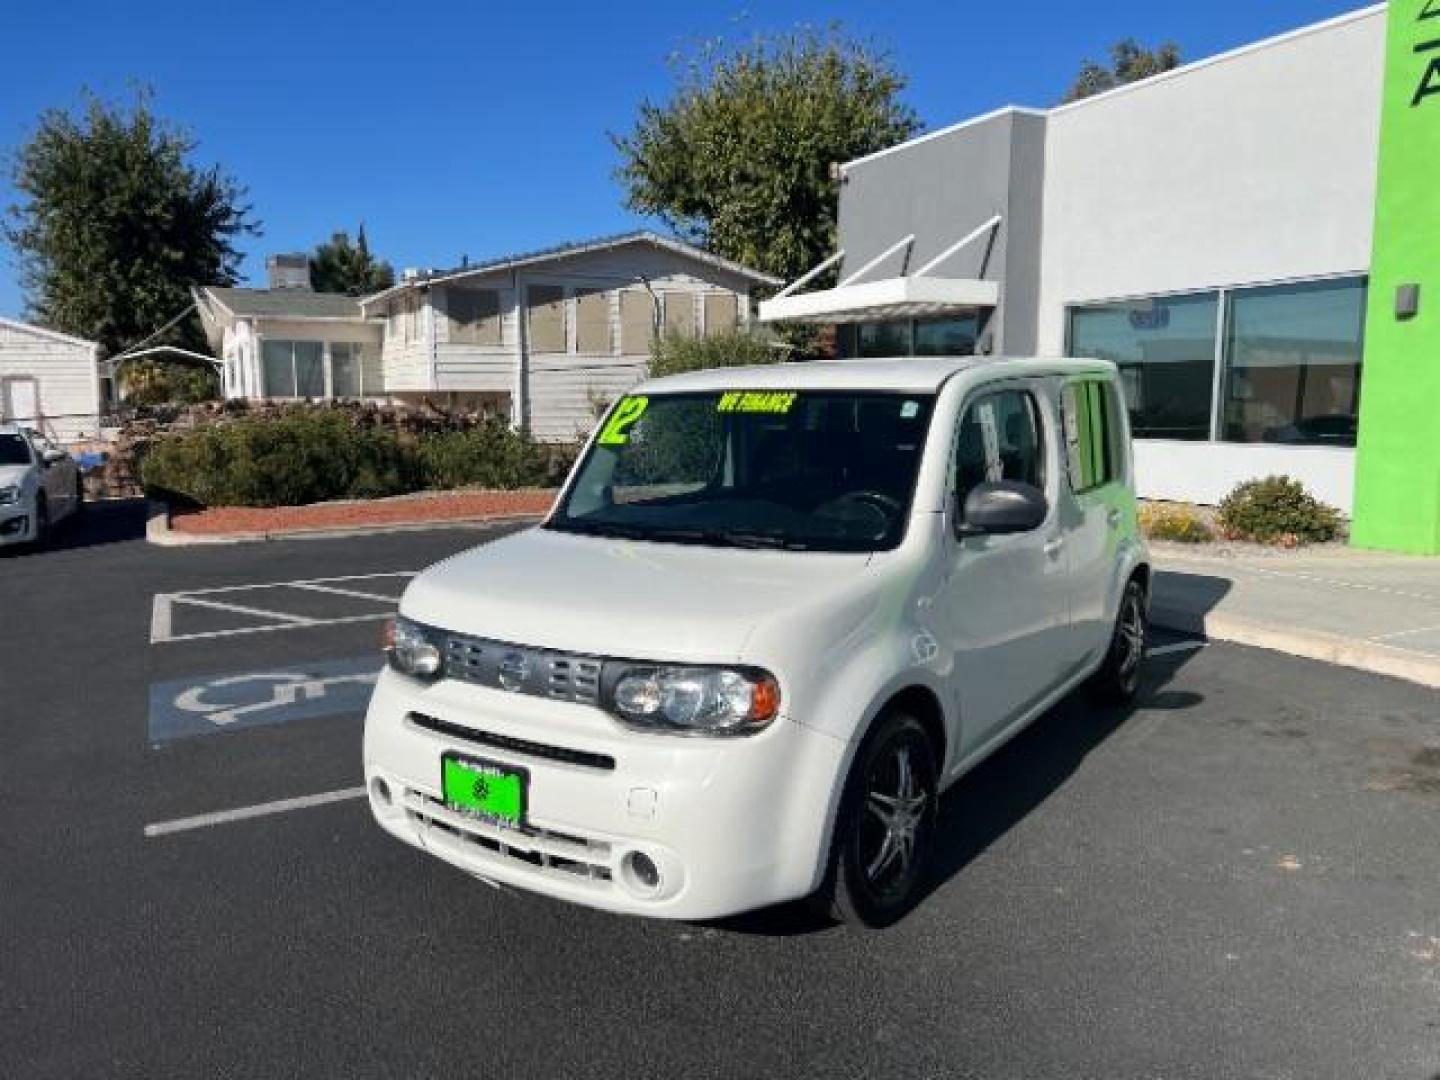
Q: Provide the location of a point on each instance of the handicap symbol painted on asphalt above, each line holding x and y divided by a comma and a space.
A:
209, 704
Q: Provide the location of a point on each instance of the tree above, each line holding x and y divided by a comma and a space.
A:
1129, 63
739, 159
338, 266
116, 223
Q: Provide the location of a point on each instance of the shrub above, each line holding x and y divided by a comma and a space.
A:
1278, 510
1181, 524
487, 455
300, 456
307, 454
674, 353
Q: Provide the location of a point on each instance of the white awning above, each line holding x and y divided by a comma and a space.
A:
880, 301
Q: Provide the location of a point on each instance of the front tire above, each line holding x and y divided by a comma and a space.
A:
884, 832
1118, 678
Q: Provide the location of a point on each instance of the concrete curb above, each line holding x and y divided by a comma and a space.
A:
158, 530
1374, 657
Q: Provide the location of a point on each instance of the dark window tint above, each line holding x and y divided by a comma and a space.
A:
999, 440
13, 450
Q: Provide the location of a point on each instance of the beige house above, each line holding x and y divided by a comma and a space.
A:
544, 336
539, 337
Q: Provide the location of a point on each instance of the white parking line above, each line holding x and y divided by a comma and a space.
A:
244, 813
240, 609
219, 598
1178, 646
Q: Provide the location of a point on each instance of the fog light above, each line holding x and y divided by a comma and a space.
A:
643, 871
380, 791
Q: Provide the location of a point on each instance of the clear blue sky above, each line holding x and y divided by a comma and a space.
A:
480, 128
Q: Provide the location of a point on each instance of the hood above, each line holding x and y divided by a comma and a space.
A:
622, 598
13, 474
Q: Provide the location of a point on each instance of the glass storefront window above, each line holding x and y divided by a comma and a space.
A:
947, 337
1165, 349
1292, 372
882, 339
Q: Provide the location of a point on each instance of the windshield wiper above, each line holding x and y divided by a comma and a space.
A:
601, 528
739, 538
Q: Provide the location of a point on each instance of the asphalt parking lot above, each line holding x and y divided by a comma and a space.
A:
1238, 878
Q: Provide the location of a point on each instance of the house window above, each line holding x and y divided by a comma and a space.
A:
721, 312
1292, 363
1165, 349
309, 369
279, 361
347, 379
474, 316
637, 322
592, 321
545, 306
679, 310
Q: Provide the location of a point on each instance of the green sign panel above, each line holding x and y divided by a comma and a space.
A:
1397, 481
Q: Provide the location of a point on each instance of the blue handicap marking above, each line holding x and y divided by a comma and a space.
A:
205, 705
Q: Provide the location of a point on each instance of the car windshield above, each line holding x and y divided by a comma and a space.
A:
795, 470
13, 450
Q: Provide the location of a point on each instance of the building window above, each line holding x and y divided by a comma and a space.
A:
679, 313
546, 310
347, 379
882, 339
1292, 370
309, 369
473, 316
1165, 349
637, 322
946, 337
721, 313
592, 322
279, 361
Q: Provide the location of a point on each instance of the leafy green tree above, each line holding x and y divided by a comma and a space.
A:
115, 223
338, 266
1129, 62
739, 159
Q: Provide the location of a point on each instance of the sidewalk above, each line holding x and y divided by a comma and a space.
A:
1362, 609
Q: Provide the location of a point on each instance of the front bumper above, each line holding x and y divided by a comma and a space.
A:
17, 524
732, 824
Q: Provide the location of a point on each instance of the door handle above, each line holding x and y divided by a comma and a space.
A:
1113, 516
1054, 547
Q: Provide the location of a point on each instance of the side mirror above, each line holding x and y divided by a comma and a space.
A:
1002, 507
53, 457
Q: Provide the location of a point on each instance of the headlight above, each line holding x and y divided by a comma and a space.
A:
9, 494
698, 700
413, 649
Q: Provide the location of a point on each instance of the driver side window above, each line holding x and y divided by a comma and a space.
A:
999, 439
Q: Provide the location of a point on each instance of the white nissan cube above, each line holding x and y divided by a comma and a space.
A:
774, 613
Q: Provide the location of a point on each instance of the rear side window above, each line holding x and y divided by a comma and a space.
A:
1094, 443
999, 439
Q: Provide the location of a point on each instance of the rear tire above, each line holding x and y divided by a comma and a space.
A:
1118, 678
880, 856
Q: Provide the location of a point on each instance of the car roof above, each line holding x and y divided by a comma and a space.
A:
11, 429
906, 375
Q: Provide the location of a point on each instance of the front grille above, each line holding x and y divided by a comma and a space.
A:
562, 754
545, 850
522, 670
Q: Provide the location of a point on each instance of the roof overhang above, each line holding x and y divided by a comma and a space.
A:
884, 300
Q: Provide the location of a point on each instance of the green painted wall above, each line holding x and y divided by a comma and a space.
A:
1397, 475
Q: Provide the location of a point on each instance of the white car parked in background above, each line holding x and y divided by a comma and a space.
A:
40, 485
774, 613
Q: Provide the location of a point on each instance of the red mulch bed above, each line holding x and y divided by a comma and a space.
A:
404, 510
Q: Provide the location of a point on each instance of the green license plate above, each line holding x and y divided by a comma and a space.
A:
483, 789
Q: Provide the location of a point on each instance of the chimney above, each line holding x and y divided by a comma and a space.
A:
289, 271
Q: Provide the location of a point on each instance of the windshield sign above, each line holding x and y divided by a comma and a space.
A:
793, 470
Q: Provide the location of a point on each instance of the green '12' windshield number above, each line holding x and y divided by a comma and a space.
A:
616, 431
